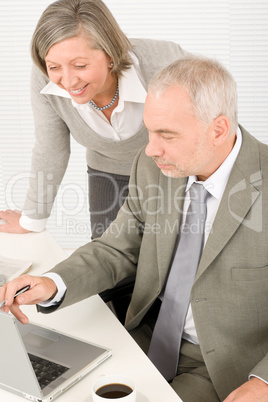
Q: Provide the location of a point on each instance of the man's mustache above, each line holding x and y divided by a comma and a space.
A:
162, 162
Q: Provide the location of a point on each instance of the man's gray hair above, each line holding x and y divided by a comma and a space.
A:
212, 89
65, 19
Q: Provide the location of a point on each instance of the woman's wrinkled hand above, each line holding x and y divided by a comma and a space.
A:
12, 222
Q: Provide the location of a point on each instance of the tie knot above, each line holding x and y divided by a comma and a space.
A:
198, 193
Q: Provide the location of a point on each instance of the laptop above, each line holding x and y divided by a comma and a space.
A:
39, 363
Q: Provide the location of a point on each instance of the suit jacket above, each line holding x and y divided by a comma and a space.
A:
230, 294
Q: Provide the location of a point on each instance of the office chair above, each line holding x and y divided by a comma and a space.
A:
118, 298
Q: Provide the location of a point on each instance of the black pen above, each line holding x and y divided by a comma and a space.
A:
16, 294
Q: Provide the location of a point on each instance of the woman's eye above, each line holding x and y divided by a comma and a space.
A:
81, 66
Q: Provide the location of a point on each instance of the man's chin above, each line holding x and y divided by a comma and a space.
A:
170, 173
174, 173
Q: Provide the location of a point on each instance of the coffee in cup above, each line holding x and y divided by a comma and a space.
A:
114, 387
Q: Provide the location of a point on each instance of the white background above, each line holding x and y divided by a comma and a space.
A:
235, 32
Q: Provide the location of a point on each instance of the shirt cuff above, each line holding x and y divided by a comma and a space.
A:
34, 225
252, 376
61, 290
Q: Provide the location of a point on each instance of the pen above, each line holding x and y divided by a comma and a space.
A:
16, 294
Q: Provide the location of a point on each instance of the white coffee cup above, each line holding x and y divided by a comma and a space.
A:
117, 381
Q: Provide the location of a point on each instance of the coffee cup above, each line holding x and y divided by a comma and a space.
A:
114, 387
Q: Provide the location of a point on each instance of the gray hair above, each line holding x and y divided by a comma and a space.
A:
212, 89
65, 19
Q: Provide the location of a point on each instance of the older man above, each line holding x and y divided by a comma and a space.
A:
204, 261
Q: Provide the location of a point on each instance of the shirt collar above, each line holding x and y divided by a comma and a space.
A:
216, 183
131, 88
53, 89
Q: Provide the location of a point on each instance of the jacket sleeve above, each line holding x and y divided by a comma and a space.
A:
50, 154
102, 263
154, 55
261, 370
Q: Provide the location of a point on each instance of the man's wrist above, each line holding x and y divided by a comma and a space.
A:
61, 290
251, 376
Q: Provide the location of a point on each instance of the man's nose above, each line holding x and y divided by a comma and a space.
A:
154, 147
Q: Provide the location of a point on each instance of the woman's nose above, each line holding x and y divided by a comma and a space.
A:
68, 80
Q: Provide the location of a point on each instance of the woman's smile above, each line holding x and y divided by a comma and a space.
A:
77, 92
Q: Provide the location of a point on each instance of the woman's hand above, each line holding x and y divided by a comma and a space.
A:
41, 289
12, 219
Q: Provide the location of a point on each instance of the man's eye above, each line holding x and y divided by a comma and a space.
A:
80, 66
167, 137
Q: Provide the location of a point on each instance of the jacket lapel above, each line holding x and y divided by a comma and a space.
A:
238, 198
173, 191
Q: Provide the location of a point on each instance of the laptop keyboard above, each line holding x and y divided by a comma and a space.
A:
45, 370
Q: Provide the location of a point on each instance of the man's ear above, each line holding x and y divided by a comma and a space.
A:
221, 127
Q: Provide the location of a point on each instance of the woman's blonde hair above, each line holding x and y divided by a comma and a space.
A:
65, 19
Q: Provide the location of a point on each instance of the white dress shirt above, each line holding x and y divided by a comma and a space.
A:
126, 118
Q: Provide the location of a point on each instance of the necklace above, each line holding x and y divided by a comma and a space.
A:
93, 104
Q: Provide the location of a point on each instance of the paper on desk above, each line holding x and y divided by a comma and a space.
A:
10, 268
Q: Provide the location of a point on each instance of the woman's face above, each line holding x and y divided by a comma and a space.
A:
85, 73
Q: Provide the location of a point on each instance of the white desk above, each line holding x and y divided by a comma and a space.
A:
91, 320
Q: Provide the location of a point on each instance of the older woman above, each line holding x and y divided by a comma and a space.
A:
88, 80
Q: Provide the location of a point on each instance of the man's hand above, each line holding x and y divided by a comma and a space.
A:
12, 219
253, 390
41, 289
